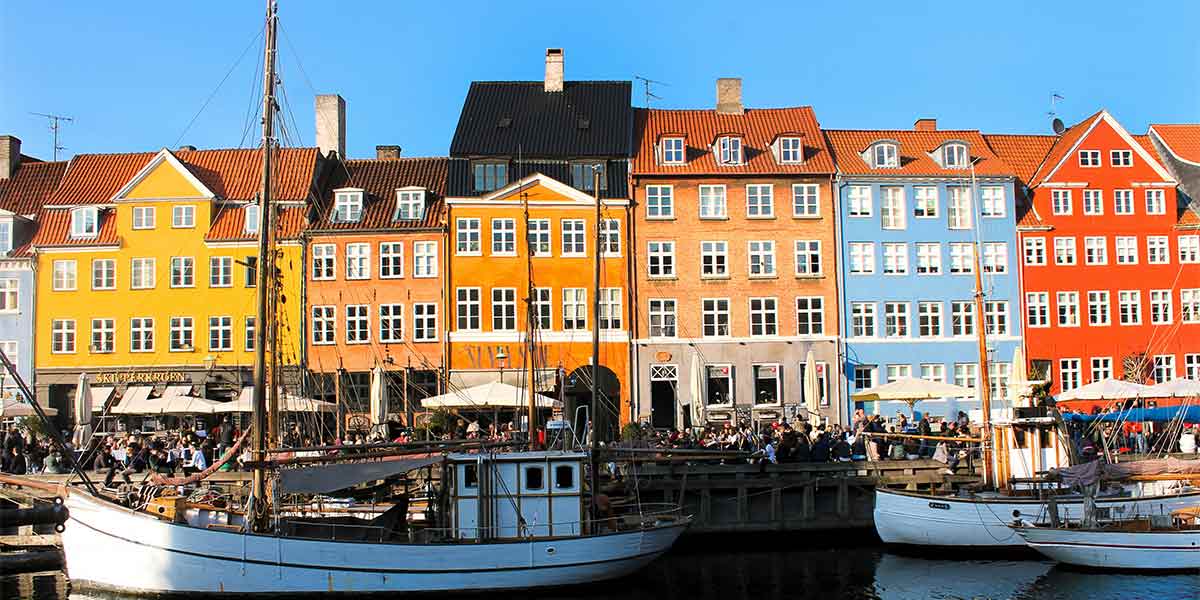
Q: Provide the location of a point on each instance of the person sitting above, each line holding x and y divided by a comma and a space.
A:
821, 448
52, 464
841, 449
197, 462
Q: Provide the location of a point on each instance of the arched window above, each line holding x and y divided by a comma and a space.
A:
886, 155
85, 222
954, 156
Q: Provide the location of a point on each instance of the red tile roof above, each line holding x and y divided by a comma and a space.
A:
759, 127
229, 225
1065, 142
1024, 153
54, 230
915, 148
380, 179
26, 191
1183, 140
231, 174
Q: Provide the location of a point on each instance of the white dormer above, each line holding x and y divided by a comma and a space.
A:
954, 155
729, 150
347, 205
85, 222
6, 234
252, 217
410, 204
673, 150
789, 150
884, 154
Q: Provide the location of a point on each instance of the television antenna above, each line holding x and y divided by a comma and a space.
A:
55, 125
646, 83
1056, 123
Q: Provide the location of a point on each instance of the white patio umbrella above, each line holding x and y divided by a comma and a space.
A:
489, 395
910, 390
17, 408
1176, 388
83, 412
288, 403
379, 399
697, 389
1106, 389
812, 390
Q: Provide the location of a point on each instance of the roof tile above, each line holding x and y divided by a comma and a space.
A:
1024, 153
1182, 139
379, 179
27, 190
54, 230
915, 149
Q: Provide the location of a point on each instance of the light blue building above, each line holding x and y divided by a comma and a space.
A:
911, 206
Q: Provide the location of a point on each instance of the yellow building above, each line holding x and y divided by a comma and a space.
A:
146, 272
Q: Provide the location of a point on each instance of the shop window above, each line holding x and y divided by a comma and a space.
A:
720, 384
767, 384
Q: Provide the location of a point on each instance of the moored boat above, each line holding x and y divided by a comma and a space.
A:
1143, 544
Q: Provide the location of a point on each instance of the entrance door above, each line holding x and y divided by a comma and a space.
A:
663, 383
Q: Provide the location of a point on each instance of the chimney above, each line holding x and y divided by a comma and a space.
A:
387, 152
729, 95
10, 155
925, 125
554, 69
331, 124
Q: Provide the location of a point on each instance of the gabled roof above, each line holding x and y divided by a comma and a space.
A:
1072, 137
26, 191
758, 128
915, 148
379, 180
511, 118
229, 224
1024, 153
1182, 140
54, 230
1179, 146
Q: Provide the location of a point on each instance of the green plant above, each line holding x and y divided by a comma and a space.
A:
632, 432
34, 425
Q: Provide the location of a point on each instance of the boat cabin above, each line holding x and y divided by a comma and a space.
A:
516, 495
1027, 442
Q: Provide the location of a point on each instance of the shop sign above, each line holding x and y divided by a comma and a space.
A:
141, 377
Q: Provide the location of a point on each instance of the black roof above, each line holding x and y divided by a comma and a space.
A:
459, 182
507, 118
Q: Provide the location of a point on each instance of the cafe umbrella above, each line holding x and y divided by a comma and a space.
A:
910, 390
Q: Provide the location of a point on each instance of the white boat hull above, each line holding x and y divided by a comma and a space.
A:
111, 547
983, 522
1151, 550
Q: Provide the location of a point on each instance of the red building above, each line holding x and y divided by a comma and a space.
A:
1110, 271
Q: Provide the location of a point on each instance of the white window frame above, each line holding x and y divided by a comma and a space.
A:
358, 324
1037, 309
714, 202
674, 151
766, 312
1061, 202
1066, 305
183, 216
104, 270
729, 150
574, 309
574, 238
760, 255
541, 241
468, 309
1035, 251
1123, 202
1064, 251
141, 334
468, 237
1189, 249
610, 237
885, 155
425, 322
862, 258
612, 314
62, 336
929, 319
807, 258
717, 311
806, 201
220, 271
1158, 250
143, 218
504, 309
391, 260
895, 258
1126, 249
1120, 158
714, 259
347, 206
142, 273
181, 330
791, 150
1156, 201
324, 262
85, 222
222, 328
993, 202
1095, 250
959, 212
662, 318
104, 336
1129, 307
1093, 202
391, 323
660, 259
410, 205
892, 210
1099, 308
760, 201
1161, 309
858, 201
813, 309
358, 261
425, 259
324, 325
660, 202
1089, 159
504, 237
183, 272
65, 276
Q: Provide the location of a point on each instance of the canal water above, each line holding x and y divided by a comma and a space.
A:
806, 567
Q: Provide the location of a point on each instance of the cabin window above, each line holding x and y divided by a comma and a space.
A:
470, 476
1019, 438
1044, 438
564, 477
534, 478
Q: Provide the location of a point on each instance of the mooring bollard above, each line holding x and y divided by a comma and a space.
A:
43, 514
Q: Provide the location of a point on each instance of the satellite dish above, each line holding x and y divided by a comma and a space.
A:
1058, 126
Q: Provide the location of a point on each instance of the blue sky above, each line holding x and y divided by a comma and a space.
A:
134, 74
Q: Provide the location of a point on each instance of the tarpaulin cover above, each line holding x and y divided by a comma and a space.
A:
1162, 414
1091, 472
324, 479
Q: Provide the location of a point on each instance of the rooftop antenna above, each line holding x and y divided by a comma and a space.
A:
646, 82
1056, 123
54, 127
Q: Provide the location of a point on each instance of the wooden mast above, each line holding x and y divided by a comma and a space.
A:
593, 409
985, 383
531, 322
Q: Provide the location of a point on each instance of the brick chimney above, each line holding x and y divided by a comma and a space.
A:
554, 70
331, 124
387, 152
925, 125
10, 155
729, 95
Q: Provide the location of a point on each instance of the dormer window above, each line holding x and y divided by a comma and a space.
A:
85, 222
6, 236
730, 150
673, 151
791, 151
347, 206
489, 176
252, 217
954, 156
886, 155
410, 205
581, 175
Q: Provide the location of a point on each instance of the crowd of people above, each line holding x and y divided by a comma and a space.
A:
27, 453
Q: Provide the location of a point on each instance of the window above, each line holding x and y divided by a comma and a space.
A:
1189, 305
181, 334
995, 257
767, 384
574, 308
143, 217
183, 271
929, 258
504, 309
958, 208
1064, 250
85, 223
1156, 202
925, 202
425, 322
954, 156
391, 323
1068, 308
347, 206
1068, 373
730, 150
610, 237
1095, 250
64, 275
929, 319
610, 308
864, 377
1060, 202
539, 237
806, 200
1098, 308
998, 375
583, 175
358, 261
141, 273
10, 293
962, 319
251, 263
489, 176
1037, 309
249, 334
564, 477
660, 202
860, 201
895, 259
573, 237
660, 259
391, 259
1164, 368
933, 372
220, 334
993, 202
183, 216
220, 271
1160, 307
996, 317
504, 237
358, 324
715, 313
810, 315
1127, 250
895, 319
104, 274
862, 319
1089, 158
1158, 250
760, 201
886, 155
662, 317
6, 238
324, 325
808, 258
141, 334
712, 202
1035, 251
543, 308
1191, 366
719, 384
763, 317
762, 258
895, 372
1101, 368
467, 237
862, 258
1093, 202
891, 207
410, 205
1123, 202
791, 150
966, 375
323, 261
1129, 304
713, 259
467, 303
62, 336
1121, 158
103, 336
534, 477
673, 152
1189, 249
962, 258
252, 219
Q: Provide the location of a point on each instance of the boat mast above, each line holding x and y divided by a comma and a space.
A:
258, 521
531, 322
985, 384
593, 409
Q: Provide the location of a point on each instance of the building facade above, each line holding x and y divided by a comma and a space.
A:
734, 264
912, 205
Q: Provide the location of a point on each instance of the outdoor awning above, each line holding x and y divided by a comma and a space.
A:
17, 408
1176, 388
135, 401
245, 404
488, 396
328, 478
176, 400
546, 379
1106, 389
100, 396
911, 389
